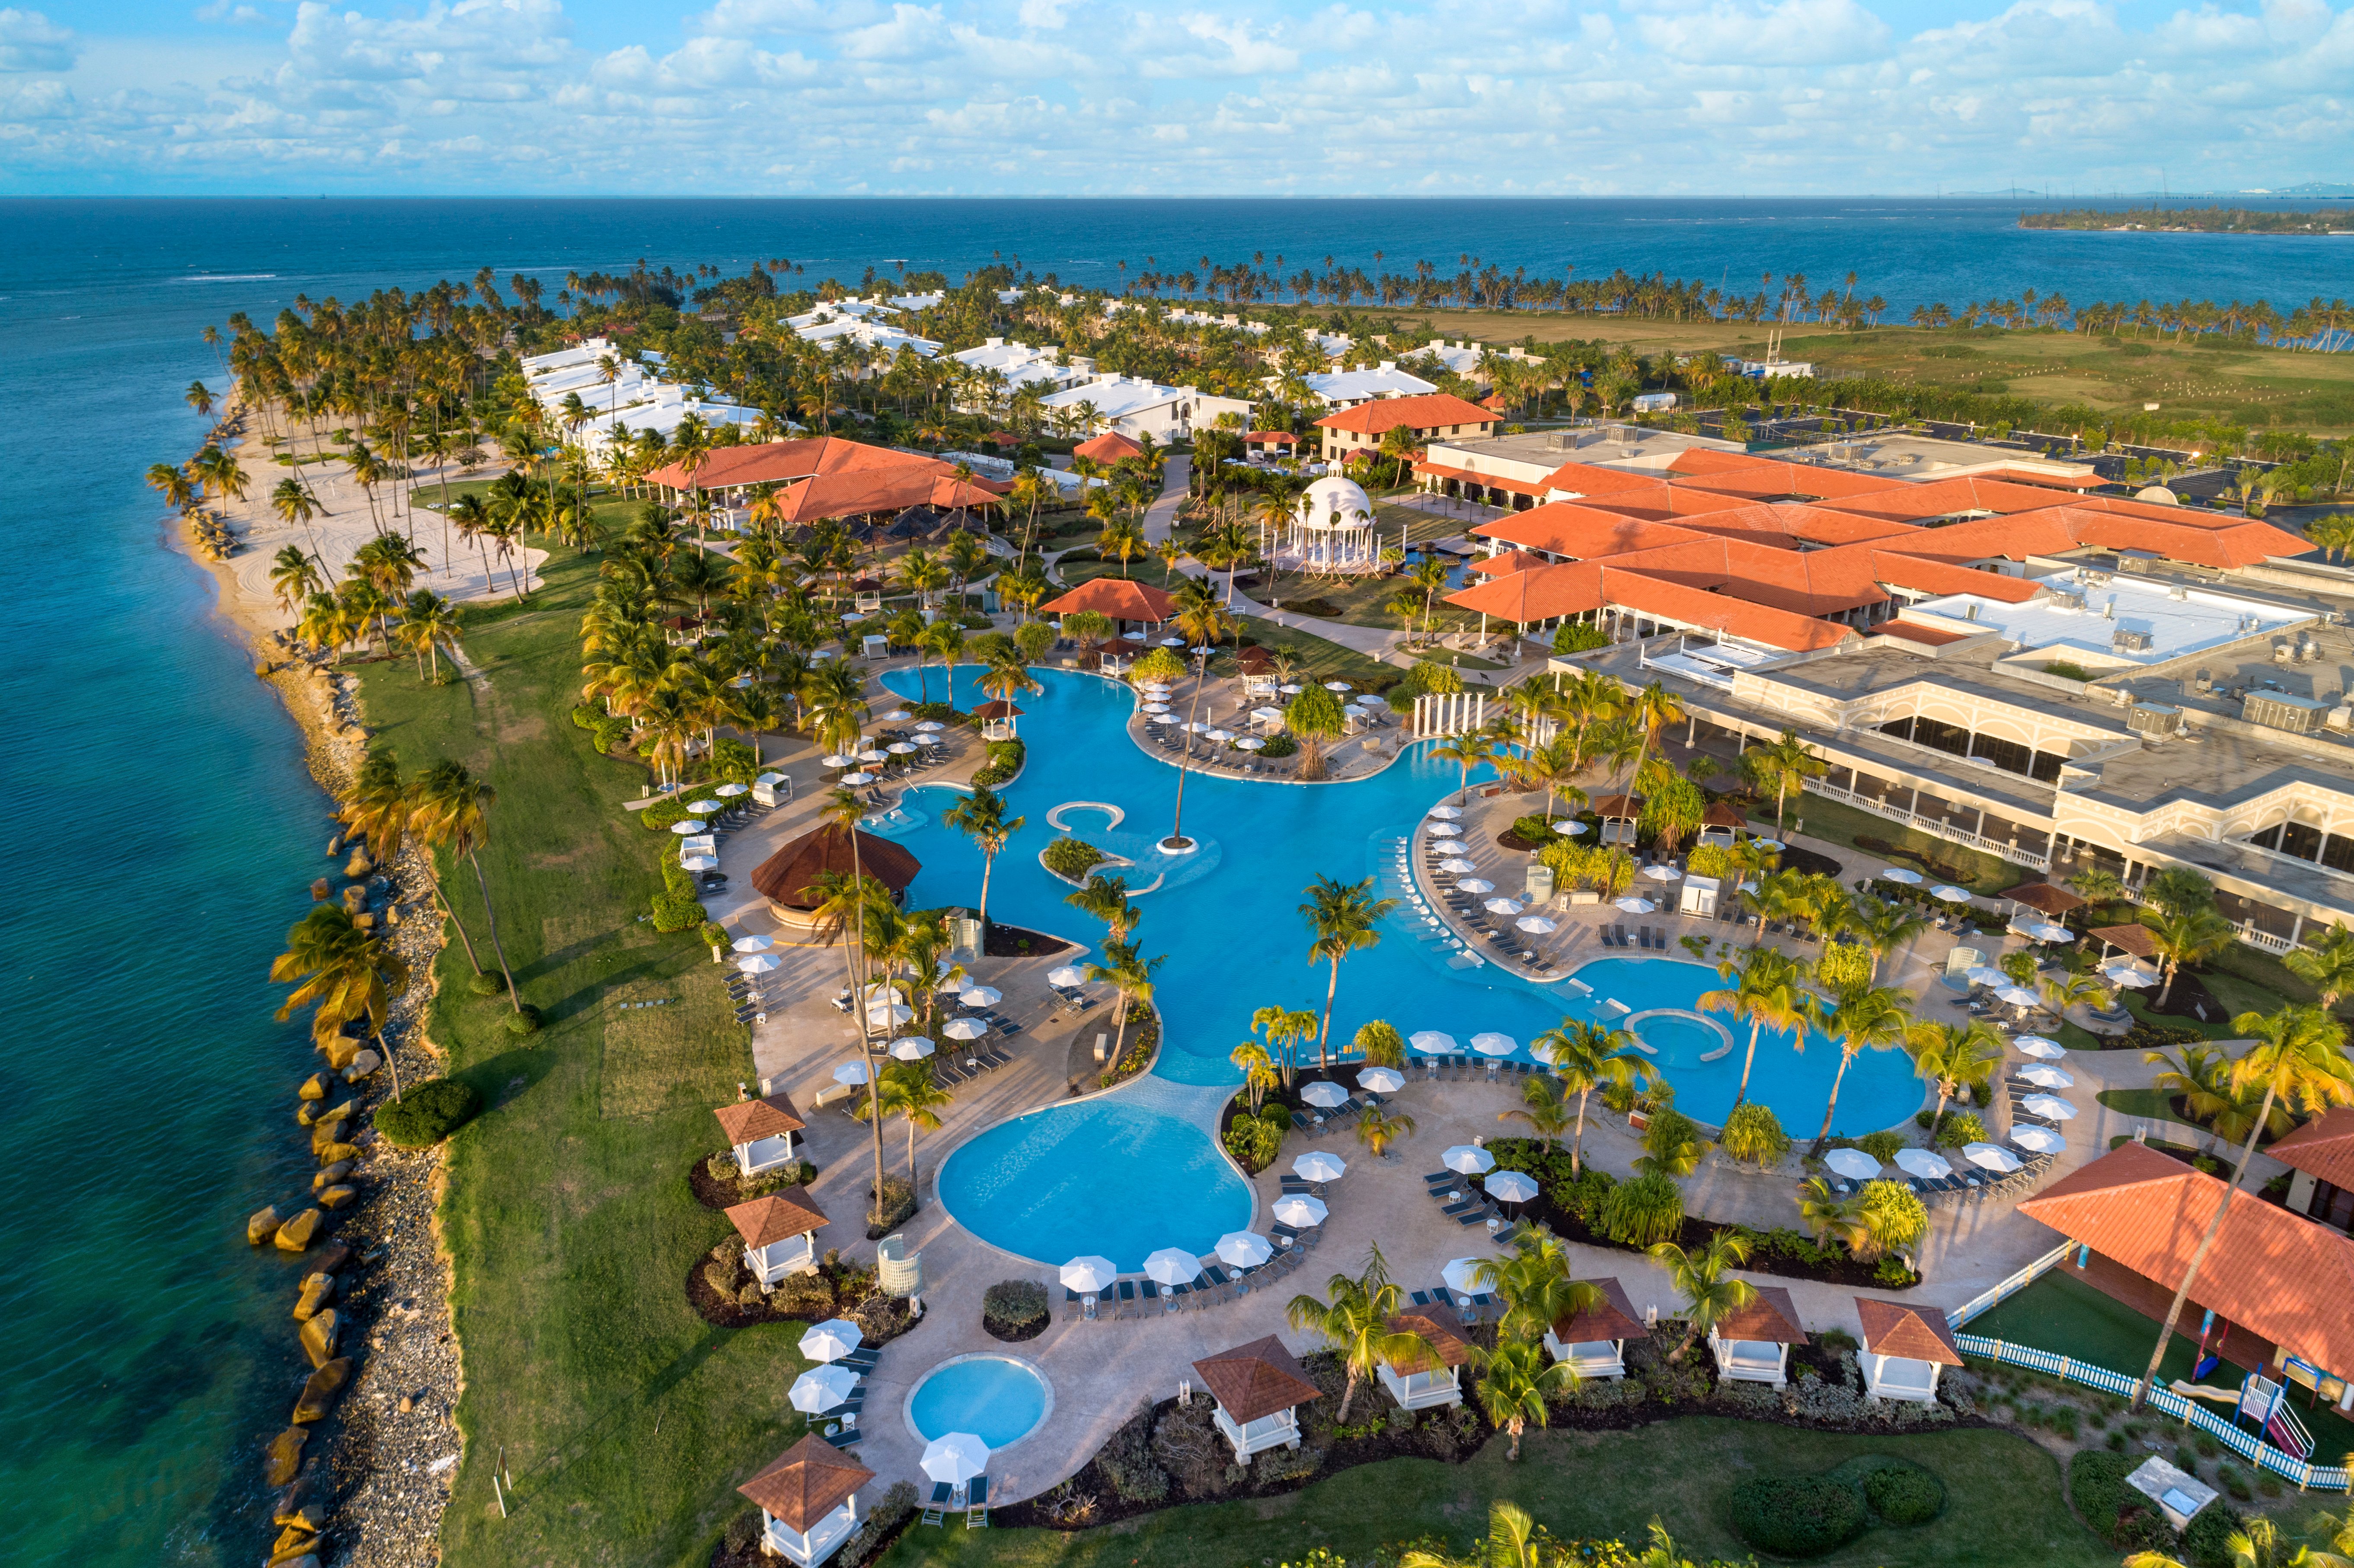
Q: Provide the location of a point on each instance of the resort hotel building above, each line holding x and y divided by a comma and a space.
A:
1989, 656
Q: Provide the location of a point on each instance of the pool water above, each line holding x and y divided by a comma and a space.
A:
1139, 1170
997, 1399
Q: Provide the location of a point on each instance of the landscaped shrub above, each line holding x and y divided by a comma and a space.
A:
586, 717
1711, 860
1576, 637
1881, 1146
1799, 1516
898, 1203
2208, 1542
1071, 857
1893, 1218
675, 911
1903, 1493
524, 1019
1126, 1460
1643, 1211
1255, 1142
2118, 1513
610, 734
1754, 1133
427, 1113
1844, 965
1287, 1464
1960, 1128
1190, 1448
663, 815
1535, 829
894, 1509
1004, 761
1014, 1309
1282, 743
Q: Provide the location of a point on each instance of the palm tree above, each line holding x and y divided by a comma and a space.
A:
1768, 989
1700, 1279
1584, 1058
1784, 765
855, 902
1106, 898
2327, 966
1258, 1071
1343, 918
981, 817
381, 808
452, 809
908, 1091
1883, 926
1514, 1379
1535, 1286
1829, 1215
1650, 710
1378, 1128
1544, 1105
2184, 937
1471, 748
1285, 1028
1130, 975
1866, 1018
1356, 1322
1951, 1054
293, 578
2298, 1054
1513, 1542
429, 623
294, 506
346, 972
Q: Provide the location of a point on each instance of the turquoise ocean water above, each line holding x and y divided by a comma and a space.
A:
159, 828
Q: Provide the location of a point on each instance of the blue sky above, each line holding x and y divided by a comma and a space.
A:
1449, 97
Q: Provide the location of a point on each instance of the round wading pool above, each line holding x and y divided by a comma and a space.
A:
998, 1399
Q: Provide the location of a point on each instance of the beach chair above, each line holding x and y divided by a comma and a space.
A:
847, 1437
1128, 1305
861, 1360
935, 1511
1455, 1211
1148, 1297
976, 1503
1299, 1120
1439, 1179
1284, 1236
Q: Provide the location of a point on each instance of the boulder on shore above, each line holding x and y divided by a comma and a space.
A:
364, 1063
318, 1396
324, 1132
321, 890
334, 845
284, 1454
297, 1233
318, 1289
296, 1556
332, 1257
336, 1151
342, 1050
329, 1175
261, 1225
355, 899
317, 1087
359, 865
335, 1197
319, 1337
294, 1503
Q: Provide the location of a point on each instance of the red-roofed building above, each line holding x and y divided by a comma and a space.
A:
828, 477
1122, 599
1109, 448
2321, 1153
1428, 417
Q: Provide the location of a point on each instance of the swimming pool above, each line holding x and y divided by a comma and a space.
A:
1138, 1169
998, 1399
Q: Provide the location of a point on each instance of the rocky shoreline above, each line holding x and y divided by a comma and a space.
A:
374, 1474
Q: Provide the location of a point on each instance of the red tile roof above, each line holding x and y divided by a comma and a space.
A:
1511, 561
1439, 1328
775, 463
1427, 411
1917, 1333
1255, 1380
2277, 1274
1122, 599
2043, 896
1472, 476
1591, 478
748, 1121
1772, 1317
1109, 447
2323, 1146
808, 1481
1716, 612
1579, 531
1538, 594
1767, 479
1612, 1318
791, 1212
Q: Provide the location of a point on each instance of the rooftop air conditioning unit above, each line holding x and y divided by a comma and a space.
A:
2068, 601
2177, 592
2279, 710
2126, 640
2155, 720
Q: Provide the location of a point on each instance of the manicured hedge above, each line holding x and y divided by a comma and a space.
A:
427, 1113
1901, 1493
1798, 1516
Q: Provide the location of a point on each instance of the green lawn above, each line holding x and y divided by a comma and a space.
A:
625, 1420
2006, 1506
2150, 1105
1842, 824
1326, 661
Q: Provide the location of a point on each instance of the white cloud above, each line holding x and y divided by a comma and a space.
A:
30, 41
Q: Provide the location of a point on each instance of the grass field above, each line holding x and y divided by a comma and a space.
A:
2309, 392
2005, 1506
1842, 824
625, 1420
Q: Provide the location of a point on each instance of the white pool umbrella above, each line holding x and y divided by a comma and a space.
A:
2044, 1075
1323, 1094
2016, 995
886, 1015
1089, 1272
1156, 709
912, 1047
1288, 690
1250, 743
1470, 1159
832, 1339
1990, 1156
1494, 1044
1663, 873
1459, 1272
1431, 1043
1172, 1265
1382, 1080
698, 863
1950, 895
822, 1387
837, 760
900, 748
870, 755
2131, 980
964, 1029
1069, 974
1921, 1162
1987, 974
1300, 1211
1573, 829
704, 808
930, 727
1446, 813
1509, 1186
1501, 905
2038, 1140
850, 1073
1900, 874
729, 792
689, 828
855, 780
955, 1458
1458, 866
1244, 1249
980, 996
1634, 906
759, 963
2043, 1050
1536, 925
2048, 932
1475, 885
1317, 1165
753, 944
1338, 687
1853, 1163
2051, 1107
1445, 830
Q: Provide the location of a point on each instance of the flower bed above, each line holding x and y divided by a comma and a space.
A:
717, 1183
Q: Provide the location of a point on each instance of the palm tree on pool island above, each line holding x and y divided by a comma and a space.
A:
1344, 917
981, 817
1864, 1018
1769, 987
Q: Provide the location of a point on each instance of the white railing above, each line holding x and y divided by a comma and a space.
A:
2009, 1288
1935, 826
2166, 1402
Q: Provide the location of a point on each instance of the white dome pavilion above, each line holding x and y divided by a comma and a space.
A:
1332, 529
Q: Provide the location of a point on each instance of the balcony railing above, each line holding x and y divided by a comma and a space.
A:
1935, 826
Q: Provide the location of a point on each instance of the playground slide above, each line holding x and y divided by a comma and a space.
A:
2189, 1390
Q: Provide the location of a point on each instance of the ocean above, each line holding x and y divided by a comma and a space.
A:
146, 1097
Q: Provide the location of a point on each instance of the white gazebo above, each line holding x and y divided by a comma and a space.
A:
1258, 1388
1753, 1344
1593, 1342
1331, 530
1905, 1348
808, 1501
1432, 1374
780, 1234
761, 1132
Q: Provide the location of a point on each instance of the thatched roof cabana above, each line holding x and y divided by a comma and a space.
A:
787, 876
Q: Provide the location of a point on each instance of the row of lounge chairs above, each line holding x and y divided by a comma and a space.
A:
972, 1499
1316, 1123
1470, 1069
1218, 1284
838, 1426
1473, 1207
744, 993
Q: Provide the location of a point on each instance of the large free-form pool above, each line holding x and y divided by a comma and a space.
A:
1138, 1169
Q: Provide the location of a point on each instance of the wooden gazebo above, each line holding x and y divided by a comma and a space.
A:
1593, 1342
760, 1131
2043, 898
1431, 1373
1616, 809
1258, 1388
788, 879
807, 1499
780, 1234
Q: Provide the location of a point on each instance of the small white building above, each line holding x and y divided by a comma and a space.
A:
1593, 1342
1257, 1389
808, 1501
780, 1234
1904, 1349
1432, 1374
761, 1132
1753, 1344
1138, 405
1347, 388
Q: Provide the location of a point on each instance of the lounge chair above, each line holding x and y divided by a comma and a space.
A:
935, 1509
848, 1437
1148, 1294
1439, 1179
976, 1503
1127, 1308
1457, 1209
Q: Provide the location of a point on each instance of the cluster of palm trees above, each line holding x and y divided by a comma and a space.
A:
378, 584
